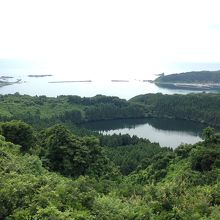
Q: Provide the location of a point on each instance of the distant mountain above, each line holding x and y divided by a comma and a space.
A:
190, 77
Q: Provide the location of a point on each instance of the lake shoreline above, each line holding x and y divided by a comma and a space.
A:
166, 132
150, 117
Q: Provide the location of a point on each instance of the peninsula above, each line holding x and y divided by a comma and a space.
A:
195, 80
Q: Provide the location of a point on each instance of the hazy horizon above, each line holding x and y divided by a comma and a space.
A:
17, 67
111, 39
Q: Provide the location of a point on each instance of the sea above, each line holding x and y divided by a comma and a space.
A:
65, 83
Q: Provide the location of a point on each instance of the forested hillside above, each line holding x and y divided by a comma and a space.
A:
190, 77
48, 171
56, 174
203, 107
43, 111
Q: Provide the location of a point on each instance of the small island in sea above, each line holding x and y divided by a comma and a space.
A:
41, 75
6, 77
115, 80
71, 81
4, 81
195, 80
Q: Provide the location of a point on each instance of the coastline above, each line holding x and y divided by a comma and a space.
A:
189, 86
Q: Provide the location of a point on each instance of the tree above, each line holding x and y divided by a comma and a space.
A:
18, 132
205, 159
209, 135
71, 155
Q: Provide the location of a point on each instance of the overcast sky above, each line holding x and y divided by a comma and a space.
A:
120, 38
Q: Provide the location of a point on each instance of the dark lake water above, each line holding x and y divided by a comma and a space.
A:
167, 132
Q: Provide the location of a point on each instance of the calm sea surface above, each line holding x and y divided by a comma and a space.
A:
20, 69
41, 86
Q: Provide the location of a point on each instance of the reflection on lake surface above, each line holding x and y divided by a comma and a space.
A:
167, 132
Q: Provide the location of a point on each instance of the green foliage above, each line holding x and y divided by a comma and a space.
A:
110, 111
71, 155
164, 186
28, 191
205, 159
204, 108
19, 133
183, 151
111, 207
154, 169
154, 183
191, 77
116, 140
42, 111
209, 135
129, 157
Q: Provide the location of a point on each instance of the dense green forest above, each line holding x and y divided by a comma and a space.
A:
56, 174
203, 107
52, 169
190, 77
42, 111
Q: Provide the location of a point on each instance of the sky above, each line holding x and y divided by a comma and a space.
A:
112, 38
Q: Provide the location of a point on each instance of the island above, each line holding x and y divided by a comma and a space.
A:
195, 80
41, 75
115, 80
71, 81
6, 77
5, 82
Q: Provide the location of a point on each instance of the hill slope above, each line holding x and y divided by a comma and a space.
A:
180, 184
203, 107
191, 77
